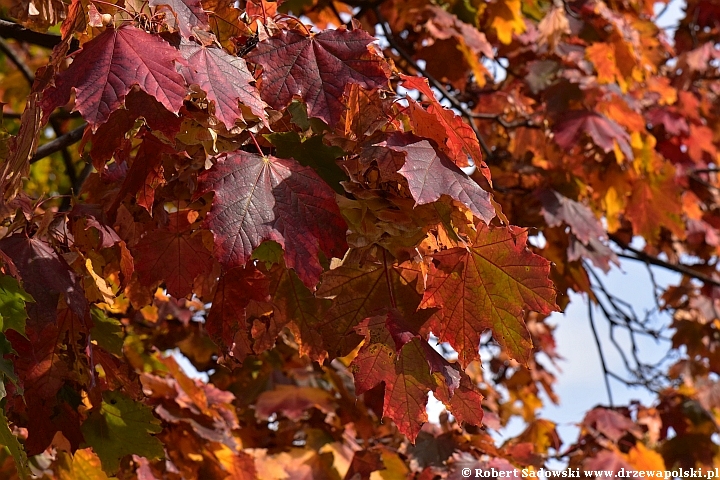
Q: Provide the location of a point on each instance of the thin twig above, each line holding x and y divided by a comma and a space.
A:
13, 56
606, 372
58, 144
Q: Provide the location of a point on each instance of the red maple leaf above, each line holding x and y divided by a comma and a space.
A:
108, 66
393, 353
174, 255
603, 132
487, 286
226, 320
455, 137
431, 174
317, 69
225, 78
261, 198
189, 14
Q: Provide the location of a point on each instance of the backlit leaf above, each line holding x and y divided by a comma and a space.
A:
174, 255
121, 427
487, 287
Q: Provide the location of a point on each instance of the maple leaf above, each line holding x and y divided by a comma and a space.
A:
45, 276
14, 447
488, 286
84, 465
145, 173
292, 401
360, 292
586, 228
267, 198
189, 14
654, 203
507, 19
431, 174
12, 304
43, 368
455, 138
226, 80
174, 255
107, 332
109, 65
393, 353
121, 427
296, 307
602, 55
317, 69
603, 131
405, 374
226, 320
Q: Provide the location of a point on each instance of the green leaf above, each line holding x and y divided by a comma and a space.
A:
311, 153
6, 366
12, 304
298, 114
268, 252
107, 331
122, 427
12, 444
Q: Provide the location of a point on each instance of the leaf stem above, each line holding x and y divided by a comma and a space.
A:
257, 145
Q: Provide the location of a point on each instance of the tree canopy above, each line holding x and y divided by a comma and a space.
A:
333, 209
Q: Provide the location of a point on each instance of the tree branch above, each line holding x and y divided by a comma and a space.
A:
679, 268
58, 144
47, 40
22, 66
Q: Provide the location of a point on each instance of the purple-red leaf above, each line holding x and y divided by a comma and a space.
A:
603, 132
108, 66
317, 69
226, 80
174, 255
267, 198
45, 276
430, 175
188, 13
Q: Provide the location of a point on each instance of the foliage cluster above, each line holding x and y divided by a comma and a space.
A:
303, 212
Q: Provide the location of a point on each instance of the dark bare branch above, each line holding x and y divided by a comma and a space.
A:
22, 34
675, 267
58, 144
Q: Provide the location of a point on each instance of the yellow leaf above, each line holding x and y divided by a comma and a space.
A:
102, 286
507, 19
614, 205
395, 468
85, 465
642, 458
